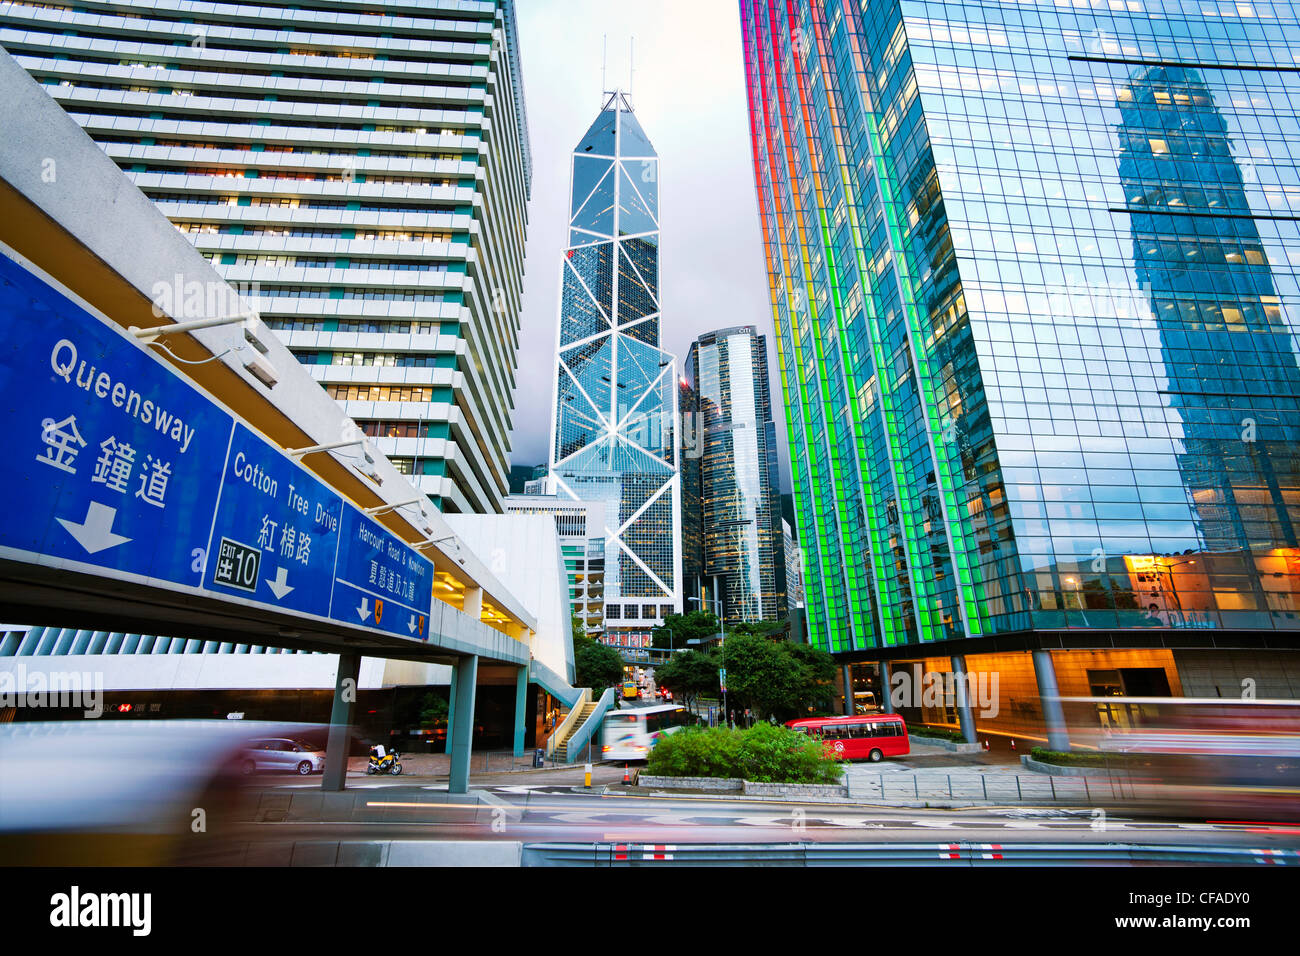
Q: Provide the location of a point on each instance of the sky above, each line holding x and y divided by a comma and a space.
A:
688, 92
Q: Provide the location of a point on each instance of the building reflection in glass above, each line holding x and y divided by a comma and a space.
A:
1230, 369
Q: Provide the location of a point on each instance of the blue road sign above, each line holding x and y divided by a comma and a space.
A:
116, 461
121, 465
380, 581
276, 531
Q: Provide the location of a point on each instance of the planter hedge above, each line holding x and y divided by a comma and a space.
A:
1088, 758
938, 733
763, 754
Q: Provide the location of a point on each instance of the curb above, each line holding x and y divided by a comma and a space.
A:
577, 767
734, 796
1056, 770
949, 745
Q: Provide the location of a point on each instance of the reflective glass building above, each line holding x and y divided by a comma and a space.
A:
1034, 280
737, 489
615, 403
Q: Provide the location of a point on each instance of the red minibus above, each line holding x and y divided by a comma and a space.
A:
865, 737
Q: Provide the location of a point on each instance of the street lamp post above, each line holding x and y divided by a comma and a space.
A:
670, 635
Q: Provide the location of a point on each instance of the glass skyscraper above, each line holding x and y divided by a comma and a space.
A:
613, 435
1034, 273
738, 528
361, 168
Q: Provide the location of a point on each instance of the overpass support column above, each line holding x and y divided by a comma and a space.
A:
451, 709
1058, 738
847, 670
521, 702
345, 703
474, 602
460, 733
886, 688
964, 715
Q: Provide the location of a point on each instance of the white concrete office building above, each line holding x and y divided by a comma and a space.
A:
581, 529
364, 166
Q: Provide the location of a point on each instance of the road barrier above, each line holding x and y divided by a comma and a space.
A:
895, 854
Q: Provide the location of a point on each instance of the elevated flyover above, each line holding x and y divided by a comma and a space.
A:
174, 469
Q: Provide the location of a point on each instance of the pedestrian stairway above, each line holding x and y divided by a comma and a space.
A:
562, 748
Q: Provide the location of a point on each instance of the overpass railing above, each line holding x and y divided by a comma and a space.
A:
553, 683
570, 720
587, 730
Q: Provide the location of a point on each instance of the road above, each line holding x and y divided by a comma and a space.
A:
555, 813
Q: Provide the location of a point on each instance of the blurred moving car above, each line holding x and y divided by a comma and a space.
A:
1198, 756
129, 793
282, 755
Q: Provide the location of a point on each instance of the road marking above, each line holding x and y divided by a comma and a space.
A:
498, 804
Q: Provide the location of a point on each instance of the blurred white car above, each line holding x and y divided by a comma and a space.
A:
282, 755
128, 792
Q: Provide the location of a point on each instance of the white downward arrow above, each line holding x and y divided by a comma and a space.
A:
96, 532
364, 610
410, 625
279, 587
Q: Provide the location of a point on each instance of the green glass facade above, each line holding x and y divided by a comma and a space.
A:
1034, 283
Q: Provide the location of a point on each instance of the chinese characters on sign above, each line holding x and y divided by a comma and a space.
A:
130, 471
278, 526
380, 580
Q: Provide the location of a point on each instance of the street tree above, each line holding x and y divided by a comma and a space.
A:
689, 675
693, 625
762, 675
597, 665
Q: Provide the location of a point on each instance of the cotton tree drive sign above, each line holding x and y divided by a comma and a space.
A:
276, 531
119, 467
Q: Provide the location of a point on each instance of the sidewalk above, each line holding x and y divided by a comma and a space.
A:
931, 776
439, 765
973, 786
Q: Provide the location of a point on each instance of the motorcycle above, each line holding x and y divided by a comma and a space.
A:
384, 762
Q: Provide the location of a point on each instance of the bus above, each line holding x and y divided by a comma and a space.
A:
870, 736
630, 690
631, 734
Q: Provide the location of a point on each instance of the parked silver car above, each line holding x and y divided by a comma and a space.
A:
282, 755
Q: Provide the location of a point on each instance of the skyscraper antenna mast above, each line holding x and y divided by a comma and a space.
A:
631, 61
604, 64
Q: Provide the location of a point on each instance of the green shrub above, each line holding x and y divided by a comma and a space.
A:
1086, 758
939, 733
763, 754
770, 754
695, 752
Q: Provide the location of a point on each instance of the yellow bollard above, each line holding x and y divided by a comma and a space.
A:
587, 783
